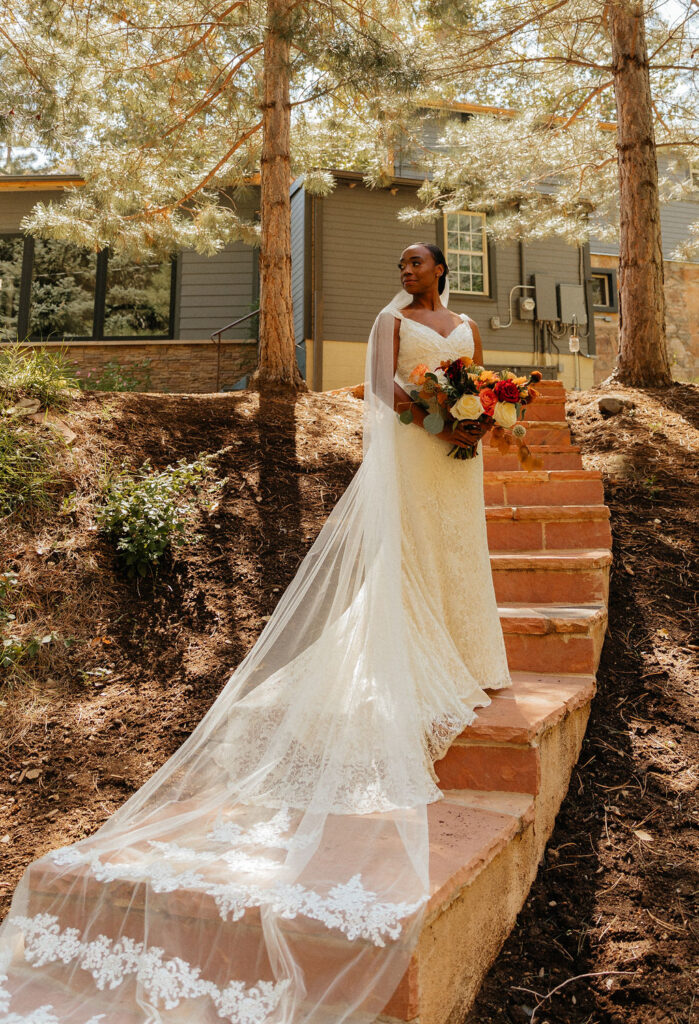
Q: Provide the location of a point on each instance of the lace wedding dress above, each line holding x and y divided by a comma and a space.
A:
276, 868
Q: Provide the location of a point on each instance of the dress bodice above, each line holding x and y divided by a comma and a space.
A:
422, 344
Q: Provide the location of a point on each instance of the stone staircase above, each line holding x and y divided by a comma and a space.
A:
505, 777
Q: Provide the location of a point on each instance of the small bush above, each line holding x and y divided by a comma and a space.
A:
35, 373
144, 512
115, 377
28, 476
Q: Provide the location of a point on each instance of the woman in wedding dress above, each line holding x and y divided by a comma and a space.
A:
276, 868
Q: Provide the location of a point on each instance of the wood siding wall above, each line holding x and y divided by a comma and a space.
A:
214, 290
362, 241
16, 204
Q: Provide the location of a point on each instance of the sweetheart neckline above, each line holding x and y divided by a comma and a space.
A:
444, 337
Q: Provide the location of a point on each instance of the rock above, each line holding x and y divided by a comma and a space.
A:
24, 407
609, 406
56, 424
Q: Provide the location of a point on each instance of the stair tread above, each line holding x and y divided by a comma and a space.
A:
534, 702
539, 475
593, 558
550, 618
547, 512
464, 839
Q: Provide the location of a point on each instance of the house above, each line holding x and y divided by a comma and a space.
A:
345, 246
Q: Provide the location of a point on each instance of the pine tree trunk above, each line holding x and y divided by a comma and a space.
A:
277, 366
643, 358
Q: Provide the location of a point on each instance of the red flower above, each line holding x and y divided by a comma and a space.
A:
507, 391
488, 400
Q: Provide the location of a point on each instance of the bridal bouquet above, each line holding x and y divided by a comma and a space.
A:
458, 390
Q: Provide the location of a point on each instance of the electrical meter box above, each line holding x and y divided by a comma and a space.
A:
545, 297
571, 304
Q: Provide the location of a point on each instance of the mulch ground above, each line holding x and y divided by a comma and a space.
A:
614, 903
89, 723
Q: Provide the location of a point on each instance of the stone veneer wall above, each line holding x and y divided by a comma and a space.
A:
681, 317
175, 366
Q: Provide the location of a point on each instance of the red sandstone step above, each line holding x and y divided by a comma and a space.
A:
543, 432
501, 749
554, 457
543, 487
467, 830
553, 638
548, 406
551, 577
538, 527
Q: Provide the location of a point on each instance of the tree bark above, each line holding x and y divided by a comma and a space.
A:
277, 365
643, 358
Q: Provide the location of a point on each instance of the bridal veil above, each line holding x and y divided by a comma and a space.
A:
275, 868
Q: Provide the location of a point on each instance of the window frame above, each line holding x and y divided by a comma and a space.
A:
612, 290
98, 309
694, 173
484, 253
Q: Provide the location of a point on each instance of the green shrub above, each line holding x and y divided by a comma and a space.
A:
28, 477
115, 377
145, 513
27, 372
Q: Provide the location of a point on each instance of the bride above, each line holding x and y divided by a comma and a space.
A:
276, 868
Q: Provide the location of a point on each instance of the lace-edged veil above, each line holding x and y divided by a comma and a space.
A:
275, 868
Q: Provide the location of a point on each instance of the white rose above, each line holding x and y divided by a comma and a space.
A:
505, 414
468, 407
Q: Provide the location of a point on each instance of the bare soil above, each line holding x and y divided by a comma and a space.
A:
90, 723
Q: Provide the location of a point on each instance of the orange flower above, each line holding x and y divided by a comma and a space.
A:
486, 377
417, 376
488, 400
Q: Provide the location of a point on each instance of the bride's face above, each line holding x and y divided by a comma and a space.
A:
418, 271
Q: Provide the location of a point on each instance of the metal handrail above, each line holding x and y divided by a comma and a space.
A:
217, 335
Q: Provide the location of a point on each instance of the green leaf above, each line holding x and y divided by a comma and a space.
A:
433, 424
406, 416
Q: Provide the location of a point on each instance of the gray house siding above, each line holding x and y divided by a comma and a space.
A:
362, 240
675, 221
298, 265
214, 290
15, 205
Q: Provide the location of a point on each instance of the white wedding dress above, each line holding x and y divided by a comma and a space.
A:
275, 870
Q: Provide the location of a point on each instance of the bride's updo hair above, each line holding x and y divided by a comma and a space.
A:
439, 258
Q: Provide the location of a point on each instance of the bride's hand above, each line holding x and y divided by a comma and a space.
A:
467, 434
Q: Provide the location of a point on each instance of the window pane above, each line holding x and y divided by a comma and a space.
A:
477, 283
11, 250
452, 239
600, 290
477, 264
137, 302
464, 264
63, 291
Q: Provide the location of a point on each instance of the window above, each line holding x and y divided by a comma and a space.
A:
694, 173
137, 298
55, 291
605, 298
11, 254
62, 297
467, 252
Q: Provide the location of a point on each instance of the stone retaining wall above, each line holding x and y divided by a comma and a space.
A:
173, 366
681, 317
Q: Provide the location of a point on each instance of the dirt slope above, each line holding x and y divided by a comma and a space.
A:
614, 893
